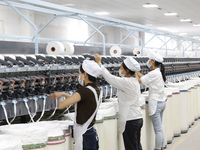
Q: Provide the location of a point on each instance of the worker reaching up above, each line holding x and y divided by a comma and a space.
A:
155, 80
130, 113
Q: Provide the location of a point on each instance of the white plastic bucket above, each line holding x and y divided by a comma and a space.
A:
183, 88
31, 135
56, 137
198, 100
108, 112
184, 111
110, 132
195, 104
168, 111
65, 126
176, 102
10, 142
143, 130
150, 135
100, 132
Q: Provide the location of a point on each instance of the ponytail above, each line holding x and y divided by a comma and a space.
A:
162, 69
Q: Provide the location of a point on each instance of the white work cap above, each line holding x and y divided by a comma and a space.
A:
91, 68
155, 56
132, 64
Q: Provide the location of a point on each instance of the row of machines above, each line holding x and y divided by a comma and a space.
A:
27, 81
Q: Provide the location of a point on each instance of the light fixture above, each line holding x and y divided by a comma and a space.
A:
195, 37
182, 33
170, 14
101, 13
147, 5
69, 4
185, 20
196, 25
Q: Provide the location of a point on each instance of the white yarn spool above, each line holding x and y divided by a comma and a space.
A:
115, 51
55, 48
68, 48
137, 51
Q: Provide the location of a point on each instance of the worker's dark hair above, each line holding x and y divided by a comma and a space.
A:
162, 69
126, 68
91, 78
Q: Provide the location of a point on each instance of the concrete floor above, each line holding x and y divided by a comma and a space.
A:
188, 141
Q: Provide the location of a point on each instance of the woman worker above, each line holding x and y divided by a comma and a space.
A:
130, 113
86, 100
155, 80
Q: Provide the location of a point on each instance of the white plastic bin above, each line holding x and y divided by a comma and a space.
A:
56, 137
176, 115
143, 131
183, 88
169, 118
10, 142
150, 135
65, 126
108, 111
32, 136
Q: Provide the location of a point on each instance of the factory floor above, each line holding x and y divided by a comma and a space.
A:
188, 141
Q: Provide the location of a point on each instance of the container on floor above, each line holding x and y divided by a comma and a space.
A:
10, 142
56, 137
32, 136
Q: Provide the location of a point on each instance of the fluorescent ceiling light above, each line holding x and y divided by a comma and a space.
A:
195, 37
69, 4
101, 13
170, 14
182, 33
196, 25
150, 5
185, 20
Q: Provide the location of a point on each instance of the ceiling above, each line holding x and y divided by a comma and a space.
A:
132, 10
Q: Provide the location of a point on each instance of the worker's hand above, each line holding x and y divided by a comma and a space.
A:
57, 94
97, 58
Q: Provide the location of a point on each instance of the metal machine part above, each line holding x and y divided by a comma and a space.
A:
38, 76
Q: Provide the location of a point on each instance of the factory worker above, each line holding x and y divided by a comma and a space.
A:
155, 80
86, 100
130, 113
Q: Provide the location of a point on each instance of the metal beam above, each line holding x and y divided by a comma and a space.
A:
54, 17
149, 40
103, 37
189, 46
166, 42
26, 19
92, 35
72, 10
126, 37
